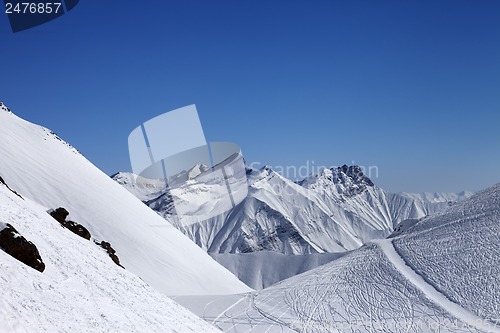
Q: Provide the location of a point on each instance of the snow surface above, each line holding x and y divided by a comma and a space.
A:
462, 244
430, 291
262, 269
44, 168
440, 275
81, 289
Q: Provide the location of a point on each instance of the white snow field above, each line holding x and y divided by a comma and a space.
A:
441, 275
44, 168
81, 289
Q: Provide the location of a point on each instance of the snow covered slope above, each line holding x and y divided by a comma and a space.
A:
462, 246
439, 275
44, 168
81, 289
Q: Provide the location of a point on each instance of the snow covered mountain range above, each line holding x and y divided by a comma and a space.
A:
80, 289
439, 275
335, 211
64, 225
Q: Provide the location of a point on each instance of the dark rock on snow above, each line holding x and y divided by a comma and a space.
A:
4, 183
111, 252
60, 215
20, 248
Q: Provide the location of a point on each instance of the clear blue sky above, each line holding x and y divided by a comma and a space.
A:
412, 87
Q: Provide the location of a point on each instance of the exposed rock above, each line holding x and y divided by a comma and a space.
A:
110, 251
20, 248
60, 214
353, 172
78, 229
4, 108
164, 203
4, 183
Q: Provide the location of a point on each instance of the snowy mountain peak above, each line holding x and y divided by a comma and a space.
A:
257, 175
350, 175
346, 180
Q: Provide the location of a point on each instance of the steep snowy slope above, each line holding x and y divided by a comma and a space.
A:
439, 275
37, 163
81, 289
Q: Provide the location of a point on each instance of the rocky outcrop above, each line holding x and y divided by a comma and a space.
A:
353, 172
60, 214
4, 108
20, 248
110, 251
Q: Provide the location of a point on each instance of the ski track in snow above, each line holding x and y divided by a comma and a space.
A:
430, 291
353, 295
438, 275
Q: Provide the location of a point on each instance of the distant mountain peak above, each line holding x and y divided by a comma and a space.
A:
353, 173
345, 180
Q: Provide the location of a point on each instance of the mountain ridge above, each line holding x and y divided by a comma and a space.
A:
332, 212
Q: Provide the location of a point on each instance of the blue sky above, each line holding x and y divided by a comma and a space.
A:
412, 87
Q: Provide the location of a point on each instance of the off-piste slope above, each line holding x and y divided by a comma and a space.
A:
47, 170
80, 289
439, 275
